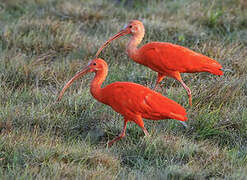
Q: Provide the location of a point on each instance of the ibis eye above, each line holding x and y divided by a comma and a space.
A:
130, 26
94, 64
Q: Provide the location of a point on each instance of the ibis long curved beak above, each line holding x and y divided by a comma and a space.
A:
78, 75
116, 36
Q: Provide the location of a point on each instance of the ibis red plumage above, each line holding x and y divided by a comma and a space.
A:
166, 59
133, 101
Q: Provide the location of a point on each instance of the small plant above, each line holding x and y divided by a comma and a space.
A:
214, 17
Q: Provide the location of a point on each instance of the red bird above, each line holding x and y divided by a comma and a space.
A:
131, 100
165, 58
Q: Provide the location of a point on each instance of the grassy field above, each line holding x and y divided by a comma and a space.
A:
43, 43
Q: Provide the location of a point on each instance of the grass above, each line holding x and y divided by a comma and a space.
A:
43, 43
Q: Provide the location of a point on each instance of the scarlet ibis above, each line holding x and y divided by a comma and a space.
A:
166, 59
131, 100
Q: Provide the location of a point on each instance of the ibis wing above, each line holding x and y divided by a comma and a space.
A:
170, 57
161, 107
125, 97
132, 99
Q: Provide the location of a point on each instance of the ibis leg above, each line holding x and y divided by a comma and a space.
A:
120, 135
188, 91
145, 131
140, 123
160, 77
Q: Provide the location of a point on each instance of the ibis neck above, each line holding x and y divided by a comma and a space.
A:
132, 49
95, 87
